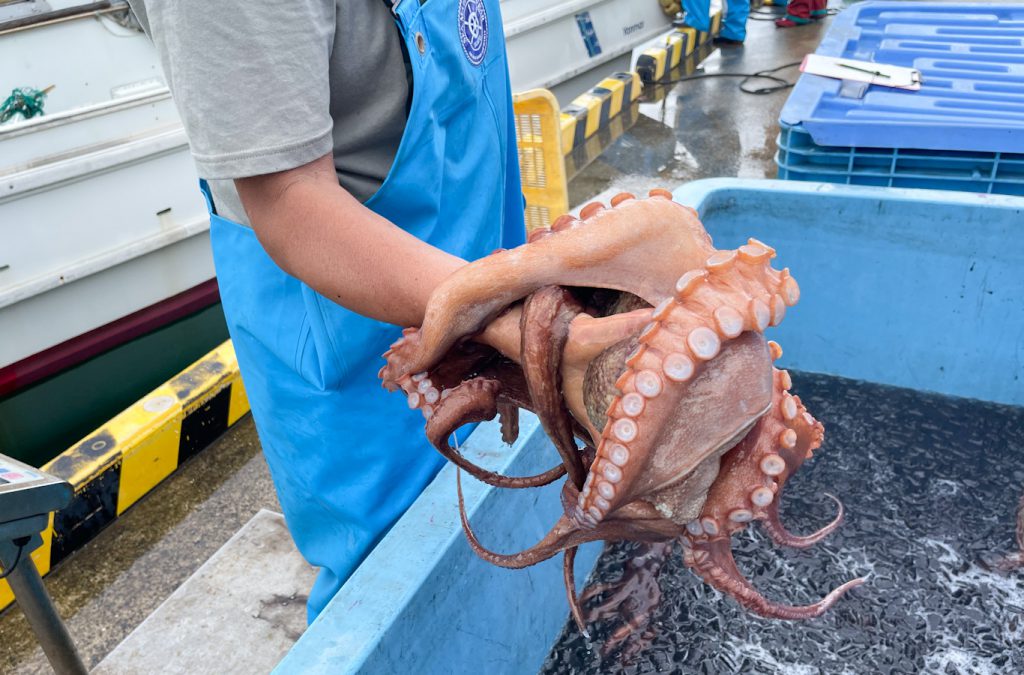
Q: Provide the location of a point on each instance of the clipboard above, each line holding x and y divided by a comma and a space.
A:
881, 74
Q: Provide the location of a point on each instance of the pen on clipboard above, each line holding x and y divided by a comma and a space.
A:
876, 73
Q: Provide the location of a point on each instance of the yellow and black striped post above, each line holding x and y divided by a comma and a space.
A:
113, 467
593, 110
654, 63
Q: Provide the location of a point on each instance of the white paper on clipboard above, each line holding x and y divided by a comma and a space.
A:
881, 74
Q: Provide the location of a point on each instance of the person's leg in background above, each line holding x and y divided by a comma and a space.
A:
798, 13
698, 14
819, 9
734, 23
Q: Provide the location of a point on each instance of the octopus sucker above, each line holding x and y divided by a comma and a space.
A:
778, 309
689, 282
741, 516
728, 321
761, 496
703, 343
641, 349
563, 222
721, 261
678, 367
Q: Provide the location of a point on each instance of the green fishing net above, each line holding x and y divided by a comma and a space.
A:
23, 101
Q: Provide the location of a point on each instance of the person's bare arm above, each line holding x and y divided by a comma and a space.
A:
318, 232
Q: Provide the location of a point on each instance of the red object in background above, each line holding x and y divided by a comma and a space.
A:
800, 12
83, 347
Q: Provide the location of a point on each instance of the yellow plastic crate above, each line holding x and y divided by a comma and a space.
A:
541, 164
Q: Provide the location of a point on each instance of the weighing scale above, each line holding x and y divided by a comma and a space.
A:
27, 496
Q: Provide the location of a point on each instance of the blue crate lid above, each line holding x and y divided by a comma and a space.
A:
971, 58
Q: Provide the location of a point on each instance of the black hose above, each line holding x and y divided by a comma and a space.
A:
780, 83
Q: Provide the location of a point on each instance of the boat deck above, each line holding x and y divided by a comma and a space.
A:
698, 129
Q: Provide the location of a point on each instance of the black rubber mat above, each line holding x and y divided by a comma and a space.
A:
931, 485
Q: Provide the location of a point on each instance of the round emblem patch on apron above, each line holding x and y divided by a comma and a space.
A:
473, 30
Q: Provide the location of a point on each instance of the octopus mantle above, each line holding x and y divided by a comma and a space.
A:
640, 347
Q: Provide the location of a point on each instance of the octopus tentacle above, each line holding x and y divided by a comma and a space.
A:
656, 235
640, 523
712, 560
545, 329
421, 393
753, 473
639, 576
554, 542
1015, 560
632, 599
594, 590
783, 537
797, 444
733, 292
808, 437
750, 479
1019, 532
508, 412
476, 401
569, 576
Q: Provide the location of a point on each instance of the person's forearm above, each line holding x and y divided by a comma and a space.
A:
319, 233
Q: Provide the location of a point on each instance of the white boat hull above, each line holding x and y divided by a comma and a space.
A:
547, 46
100, 216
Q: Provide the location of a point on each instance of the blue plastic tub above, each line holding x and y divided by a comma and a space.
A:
912, 288
918, 289
964, 130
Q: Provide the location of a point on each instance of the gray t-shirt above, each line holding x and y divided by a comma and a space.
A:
269, 86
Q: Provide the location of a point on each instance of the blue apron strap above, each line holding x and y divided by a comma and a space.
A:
208, 196
405, 11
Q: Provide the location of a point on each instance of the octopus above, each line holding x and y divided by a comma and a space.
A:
1013, 561
640, 347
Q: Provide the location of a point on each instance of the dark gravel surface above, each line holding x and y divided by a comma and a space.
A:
931, 485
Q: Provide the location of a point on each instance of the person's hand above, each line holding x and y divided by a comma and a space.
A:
588, 337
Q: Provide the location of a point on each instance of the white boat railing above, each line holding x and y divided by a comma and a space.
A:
22, 127
51, 172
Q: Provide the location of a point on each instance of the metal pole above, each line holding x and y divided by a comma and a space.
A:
35, 602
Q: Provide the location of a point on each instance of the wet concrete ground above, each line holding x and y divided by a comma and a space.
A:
706, 127
931, 485
691, 130
252, 592
109, 587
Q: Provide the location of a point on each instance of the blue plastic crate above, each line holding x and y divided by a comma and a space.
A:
964, 130
800, 158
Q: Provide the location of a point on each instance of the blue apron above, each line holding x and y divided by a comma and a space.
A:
347, 458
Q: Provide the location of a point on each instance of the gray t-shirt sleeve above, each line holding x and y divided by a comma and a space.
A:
250, 79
